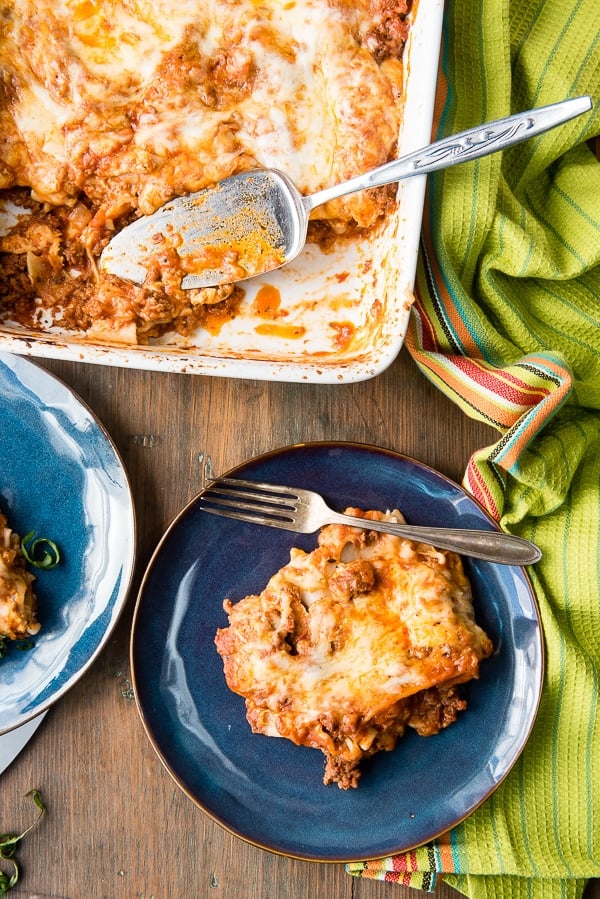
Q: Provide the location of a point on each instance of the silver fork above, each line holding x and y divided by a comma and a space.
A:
304, 512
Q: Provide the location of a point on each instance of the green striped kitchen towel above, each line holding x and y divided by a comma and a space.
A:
506, 321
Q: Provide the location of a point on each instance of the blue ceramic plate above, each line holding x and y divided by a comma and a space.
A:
268, 791
61, 477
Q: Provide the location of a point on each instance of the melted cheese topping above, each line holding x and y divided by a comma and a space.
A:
143, 101
350, 643
108, 109
17, 602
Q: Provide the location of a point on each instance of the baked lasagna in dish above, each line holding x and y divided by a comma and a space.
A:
350, 644
108, 109
17, 600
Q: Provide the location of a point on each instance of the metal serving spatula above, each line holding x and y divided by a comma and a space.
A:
257, 221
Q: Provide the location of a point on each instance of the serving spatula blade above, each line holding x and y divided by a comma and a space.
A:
221, 234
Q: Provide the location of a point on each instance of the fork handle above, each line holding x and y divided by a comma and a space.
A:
494, 546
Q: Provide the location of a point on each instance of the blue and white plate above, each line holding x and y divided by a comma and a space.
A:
61, 476
268, 791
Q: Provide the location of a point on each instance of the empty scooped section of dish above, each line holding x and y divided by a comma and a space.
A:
323, 308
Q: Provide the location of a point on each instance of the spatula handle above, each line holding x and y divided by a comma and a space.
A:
461, 147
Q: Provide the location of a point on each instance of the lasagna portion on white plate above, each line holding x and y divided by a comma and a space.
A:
17, 600
350, 644
109, 109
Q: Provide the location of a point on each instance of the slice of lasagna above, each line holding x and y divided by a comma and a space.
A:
352, 643
17, 600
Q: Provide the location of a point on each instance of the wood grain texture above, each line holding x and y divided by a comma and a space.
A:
118, 827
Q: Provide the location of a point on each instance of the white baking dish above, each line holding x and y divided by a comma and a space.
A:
363, 288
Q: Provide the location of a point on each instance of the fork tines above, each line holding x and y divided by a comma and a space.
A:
250, 501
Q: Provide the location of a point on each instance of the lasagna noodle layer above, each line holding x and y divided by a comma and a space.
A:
348, 645
109, 109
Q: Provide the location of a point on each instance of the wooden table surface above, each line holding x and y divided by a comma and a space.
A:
117, 826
